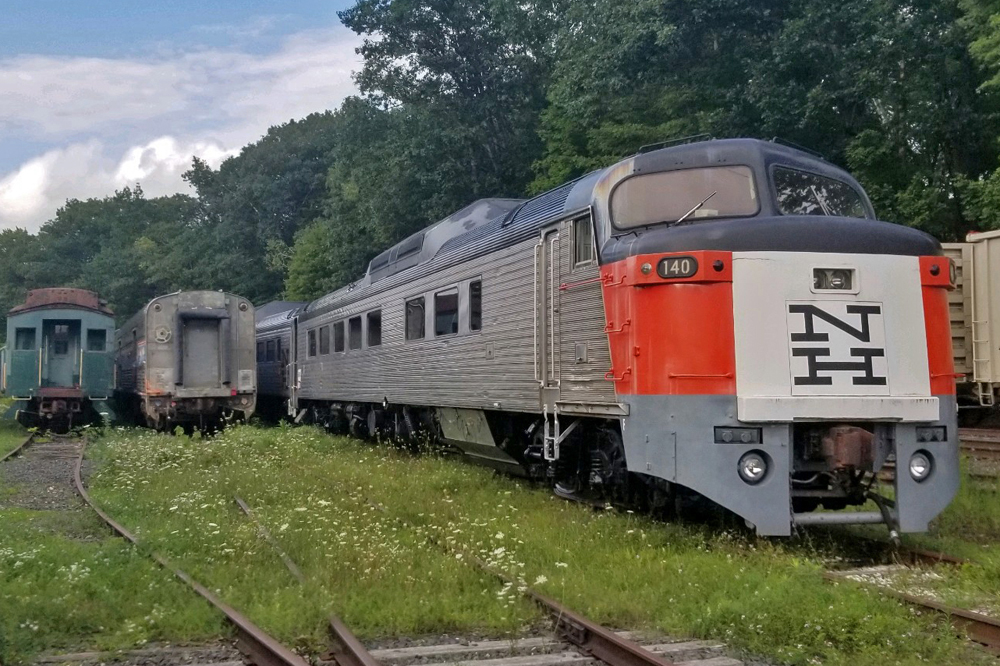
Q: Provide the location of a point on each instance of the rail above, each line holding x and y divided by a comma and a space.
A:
20, 447
980, 628
347, 650
980, 443
259, 647
585, 634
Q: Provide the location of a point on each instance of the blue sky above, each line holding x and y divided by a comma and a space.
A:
98, 95
116, 28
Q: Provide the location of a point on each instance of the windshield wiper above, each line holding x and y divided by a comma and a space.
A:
668, 223
822, 202
693, 210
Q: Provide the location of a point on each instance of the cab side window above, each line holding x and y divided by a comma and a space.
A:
583, 241
446, 312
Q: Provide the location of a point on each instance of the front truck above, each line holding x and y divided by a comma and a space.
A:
780, 383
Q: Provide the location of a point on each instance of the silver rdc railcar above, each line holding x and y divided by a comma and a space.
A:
724, 319
188, 359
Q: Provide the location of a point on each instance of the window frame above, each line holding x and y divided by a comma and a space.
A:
324, 329
260, 350
458, 310
103, 334
269, 354
423, 318
368, 328
626, 230
588, 221
470, 310
312, 343
361, 333
870, 215
34, 338
338, 327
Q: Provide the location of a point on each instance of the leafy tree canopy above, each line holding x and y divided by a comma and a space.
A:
481, 98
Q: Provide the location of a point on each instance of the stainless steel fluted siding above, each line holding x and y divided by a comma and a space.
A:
581, 321
454, 371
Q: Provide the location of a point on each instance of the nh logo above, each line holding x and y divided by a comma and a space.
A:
837, 348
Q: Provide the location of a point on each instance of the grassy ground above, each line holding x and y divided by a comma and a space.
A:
66, 584
11, 436
11, 433
364, 524
56, 590
969, 528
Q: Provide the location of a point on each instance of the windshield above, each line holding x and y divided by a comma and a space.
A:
804, 193
669, 196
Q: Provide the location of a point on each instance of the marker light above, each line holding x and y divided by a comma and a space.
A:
920, 465
752, 467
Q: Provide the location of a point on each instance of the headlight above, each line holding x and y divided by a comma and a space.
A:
833, 278
752, 467
920, 465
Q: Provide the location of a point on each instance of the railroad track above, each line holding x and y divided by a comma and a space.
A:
980, 628
576, 640
544, 651
20, 448
980, 443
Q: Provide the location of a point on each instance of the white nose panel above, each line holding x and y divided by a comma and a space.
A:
803, 353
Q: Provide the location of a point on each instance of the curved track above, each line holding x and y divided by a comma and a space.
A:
260, 648
20, 447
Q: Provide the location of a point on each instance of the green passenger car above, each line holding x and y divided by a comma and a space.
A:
58, 365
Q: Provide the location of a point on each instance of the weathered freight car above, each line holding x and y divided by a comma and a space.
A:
188, 359
58, 365
721, 318
975, 321
274, 344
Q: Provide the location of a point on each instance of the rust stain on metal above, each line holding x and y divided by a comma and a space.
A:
53, 297
20, 447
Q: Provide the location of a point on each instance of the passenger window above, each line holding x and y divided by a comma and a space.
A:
260, 351
312, 342
24, 338
475, 305
338, 336
446, 312
583, 241
277, 350
324, 340
97, 339
415, 319
354, 333
375, 328
269, 354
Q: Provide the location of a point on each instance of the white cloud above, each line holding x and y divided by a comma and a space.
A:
111, 122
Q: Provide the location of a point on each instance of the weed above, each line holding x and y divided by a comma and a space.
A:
365, 524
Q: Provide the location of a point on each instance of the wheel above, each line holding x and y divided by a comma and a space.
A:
608, 466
